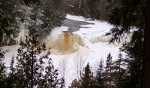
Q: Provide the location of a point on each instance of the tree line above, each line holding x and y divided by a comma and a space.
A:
37, 16
95, 9
35, 70
29, 69
112, 75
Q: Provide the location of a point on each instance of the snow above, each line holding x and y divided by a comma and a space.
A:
78, 18
22, 34
10, 52
95, 47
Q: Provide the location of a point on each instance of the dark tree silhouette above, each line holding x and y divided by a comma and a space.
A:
100, 76
8, 27
32, 70
128, 15
108, 72
2, 70
86, 81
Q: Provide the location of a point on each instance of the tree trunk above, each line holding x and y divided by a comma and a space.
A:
147, 44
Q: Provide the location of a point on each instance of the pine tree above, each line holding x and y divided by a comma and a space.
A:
51, 78
2, 70
99, 77
87, 79
75, 84
31, 69
108, 72
120, 70
129, 14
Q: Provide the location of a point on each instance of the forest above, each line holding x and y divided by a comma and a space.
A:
28, 23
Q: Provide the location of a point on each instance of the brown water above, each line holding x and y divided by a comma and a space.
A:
66, 43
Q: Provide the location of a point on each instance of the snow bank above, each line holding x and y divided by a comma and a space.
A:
78, 18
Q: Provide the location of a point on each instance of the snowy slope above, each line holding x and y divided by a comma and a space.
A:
94, 47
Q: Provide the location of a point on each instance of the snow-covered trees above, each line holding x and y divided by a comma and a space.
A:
95, 9
37, 16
